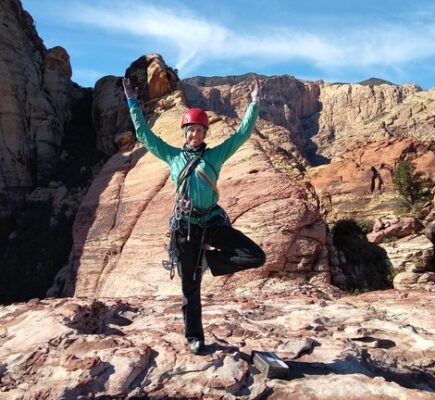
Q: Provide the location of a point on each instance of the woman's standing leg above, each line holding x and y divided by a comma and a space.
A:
190, 282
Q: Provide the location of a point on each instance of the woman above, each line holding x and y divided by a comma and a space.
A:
201, 234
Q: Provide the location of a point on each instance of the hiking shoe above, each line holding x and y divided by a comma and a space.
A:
196, 346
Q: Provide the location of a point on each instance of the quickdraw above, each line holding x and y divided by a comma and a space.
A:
183, 205
174, 259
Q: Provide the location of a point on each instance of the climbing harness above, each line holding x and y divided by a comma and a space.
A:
183, 207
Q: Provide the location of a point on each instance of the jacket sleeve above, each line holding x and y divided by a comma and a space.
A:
227, 148
147, 137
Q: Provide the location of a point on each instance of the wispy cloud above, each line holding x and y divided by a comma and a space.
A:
198, 39
86, 77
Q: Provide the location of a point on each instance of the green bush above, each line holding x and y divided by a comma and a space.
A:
413, 189
366, 225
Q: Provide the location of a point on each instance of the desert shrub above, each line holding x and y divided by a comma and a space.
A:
366, 225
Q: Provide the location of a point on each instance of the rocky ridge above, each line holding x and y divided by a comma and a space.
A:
323, 119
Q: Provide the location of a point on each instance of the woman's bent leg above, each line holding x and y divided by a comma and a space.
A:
233, 251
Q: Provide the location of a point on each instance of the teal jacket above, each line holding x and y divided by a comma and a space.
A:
202, 193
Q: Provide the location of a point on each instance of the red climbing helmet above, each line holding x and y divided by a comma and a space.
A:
195, 116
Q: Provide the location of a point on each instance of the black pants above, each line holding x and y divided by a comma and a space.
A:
233, 252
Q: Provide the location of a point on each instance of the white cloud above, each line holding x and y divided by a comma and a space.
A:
199, 40
192, 35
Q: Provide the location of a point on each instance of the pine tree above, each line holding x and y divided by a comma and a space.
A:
410, 184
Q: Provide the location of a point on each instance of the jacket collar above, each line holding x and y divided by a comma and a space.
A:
195, 150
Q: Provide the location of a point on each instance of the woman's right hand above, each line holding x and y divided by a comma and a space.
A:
129, 91
256, 90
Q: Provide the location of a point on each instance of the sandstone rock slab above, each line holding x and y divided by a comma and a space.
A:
135, 347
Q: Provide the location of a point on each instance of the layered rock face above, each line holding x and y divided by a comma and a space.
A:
286, 107
46, 144
35, 104
374, 346
359, 184
119, 233
365, 129
120, 207
356, 113
324, 119
411, 260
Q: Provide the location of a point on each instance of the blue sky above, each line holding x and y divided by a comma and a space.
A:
333, 40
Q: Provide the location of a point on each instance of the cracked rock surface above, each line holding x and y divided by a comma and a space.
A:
378, 345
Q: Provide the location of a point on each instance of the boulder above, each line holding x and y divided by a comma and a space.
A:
414, 280
410, 258
110, 114
393, 227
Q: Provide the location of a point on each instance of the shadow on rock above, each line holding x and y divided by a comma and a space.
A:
366, 265
214, 347
374, 342
141, 379
363, 365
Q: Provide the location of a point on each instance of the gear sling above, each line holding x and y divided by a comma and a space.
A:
183, 206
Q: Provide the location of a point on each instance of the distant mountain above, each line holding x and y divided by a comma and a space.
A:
205, 81
376, 81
